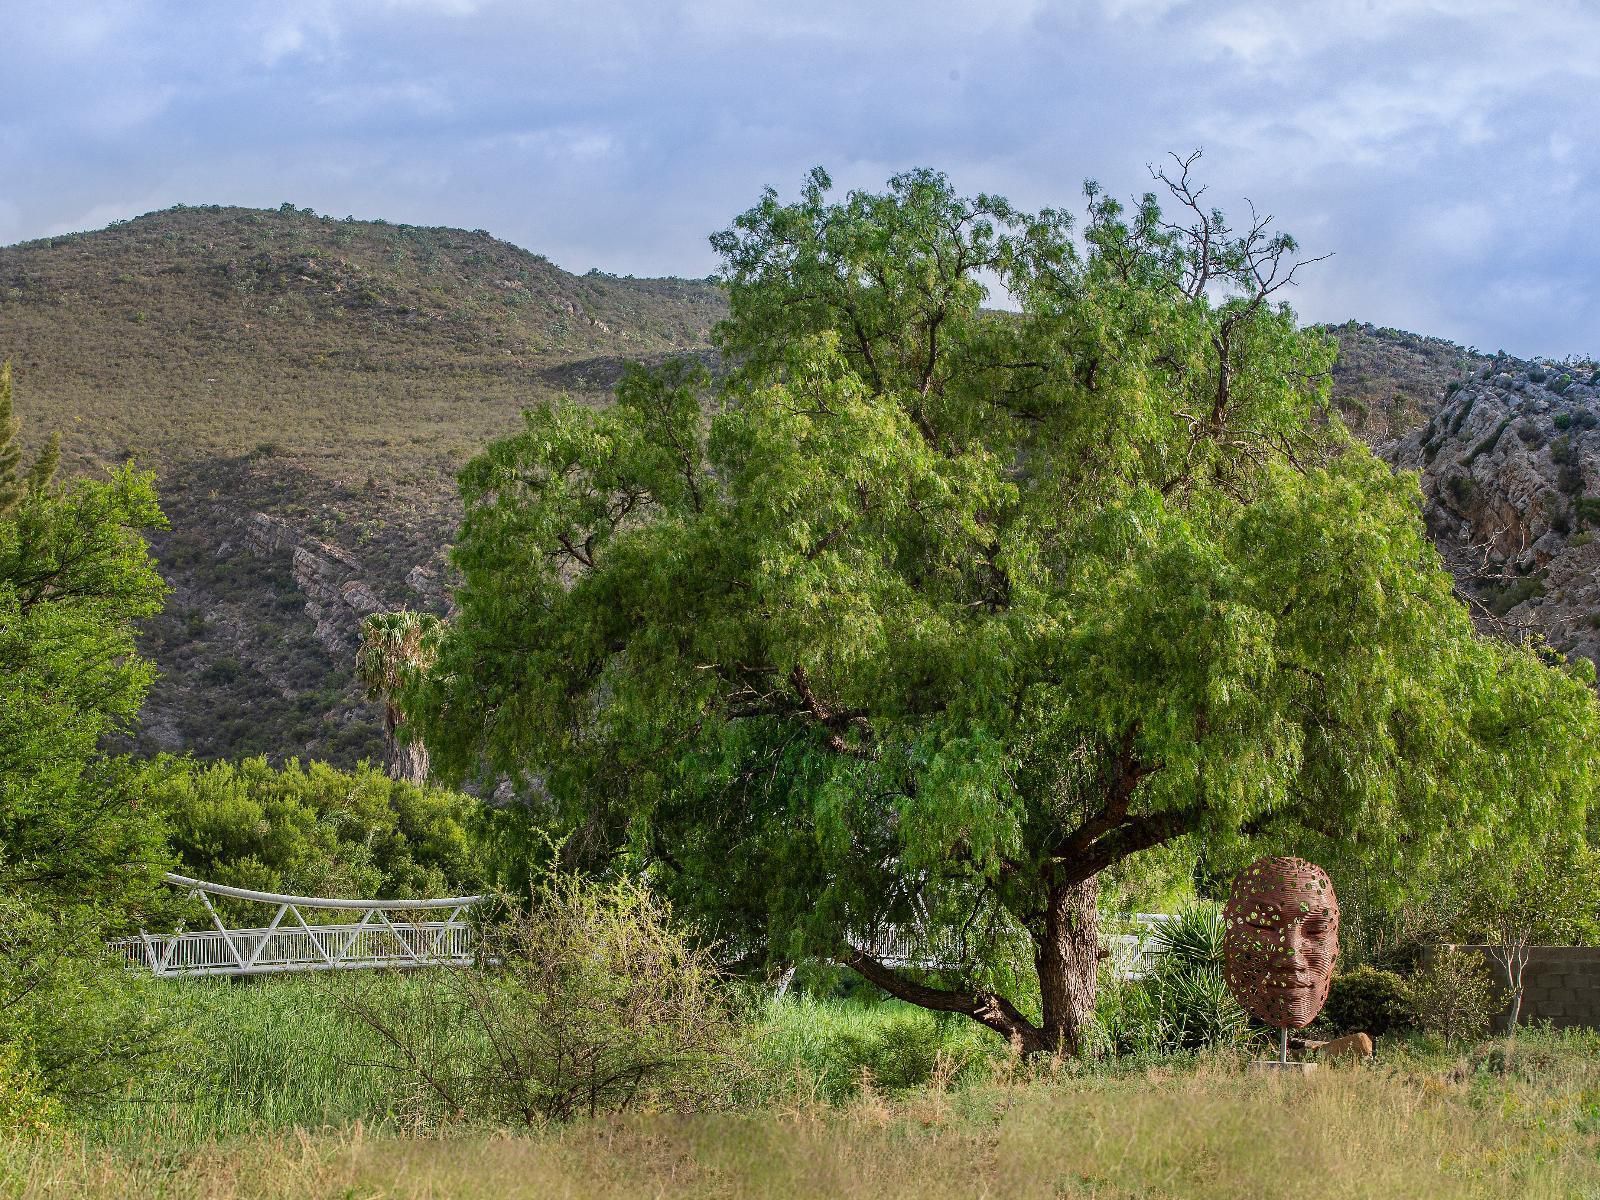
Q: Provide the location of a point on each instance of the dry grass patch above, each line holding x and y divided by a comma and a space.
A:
1212, 1134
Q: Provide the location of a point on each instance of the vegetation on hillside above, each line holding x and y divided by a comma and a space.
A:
333, 374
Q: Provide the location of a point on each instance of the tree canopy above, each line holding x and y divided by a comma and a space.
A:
924, 614
79, 854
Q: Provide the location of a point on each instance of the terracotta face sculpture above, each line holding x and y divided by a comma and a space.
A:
1281, 939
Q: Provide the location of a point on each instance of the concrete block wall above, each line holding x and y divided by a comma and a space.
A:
1561, 985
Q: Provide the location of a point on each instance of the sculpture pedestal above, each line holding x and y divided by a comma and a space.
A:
1270, 1066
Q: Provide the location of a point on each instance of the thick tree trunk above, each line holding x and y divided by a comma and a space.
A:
1067, 960
407, 760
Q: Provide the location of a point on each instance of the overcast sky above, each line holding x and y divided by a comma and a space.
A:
1446, 152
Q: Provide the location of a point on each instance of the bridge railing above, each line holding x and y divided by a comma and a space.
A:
388, 933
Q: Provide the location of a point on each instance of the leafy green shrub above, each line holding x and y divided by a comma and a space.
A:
592, 1002
25, 1107
1462, 489
1369, 1000
1505, 599
1454, 995
1184, 1003
1563, 420
1537, 374
314, 830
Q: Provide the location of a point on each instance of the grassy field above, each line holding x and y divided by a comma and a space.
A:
1412, 1129
274, 1094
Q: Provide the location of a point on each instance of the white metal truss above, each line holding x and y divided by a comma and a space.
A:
388, 933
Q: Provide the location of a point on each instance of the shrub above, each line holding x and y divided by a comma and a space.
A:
25, 1107
1369, 1000
1184, 1003
1453, 995
1505, 599
1563, 420
1462, 489
590, 1003
1537, 374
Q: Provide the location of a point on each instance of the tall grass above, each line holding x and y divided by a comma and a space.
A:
1487, 1129
254, 1057
830, 1050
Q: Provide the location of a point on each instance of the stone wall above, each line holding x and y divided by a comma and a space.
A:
1561, 985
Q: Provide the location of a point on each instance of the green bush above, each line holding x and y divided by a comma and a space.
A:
1369, 1000
593, 1002
314, 830
1183, 1004
1462, 489
25, 1107
1503, 600
1563, 420
1454, 995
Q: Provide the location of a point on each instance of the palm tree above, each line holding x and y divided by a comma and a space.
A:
394, 646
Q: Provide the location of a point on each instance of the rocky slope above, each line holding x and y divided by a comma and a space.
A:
305, 390
1510, 467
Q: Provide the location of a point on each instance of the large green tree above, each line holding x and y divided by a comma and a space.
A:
924, 616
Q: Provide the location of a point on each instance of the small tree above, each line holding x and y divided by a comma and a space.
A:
1546, 896
394, 646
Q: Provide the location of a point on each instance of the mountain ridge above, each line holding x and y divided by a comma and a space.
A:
306, 389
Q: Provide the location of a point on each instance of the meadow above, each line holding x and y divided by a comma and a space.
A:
273, 1095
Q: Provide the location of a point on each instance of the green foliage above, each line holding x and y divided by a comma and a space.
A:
1189, 1006
80, 855
1519, 591
1193, 940
830, 1048
938, 613
277, 1054
313, 830
25, 1106
1462, 489
1369, 1000
1562, 420
590, 1003
1453, 995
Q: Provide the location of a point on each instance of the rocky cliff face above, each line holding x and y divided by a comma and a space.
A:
1510, 468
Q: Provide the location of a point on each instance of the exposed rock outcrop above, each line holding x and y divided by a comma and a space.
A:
1510, 467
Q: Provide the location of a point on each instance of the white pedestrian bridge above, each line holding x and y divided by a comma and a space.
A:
352, 934
343, 935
